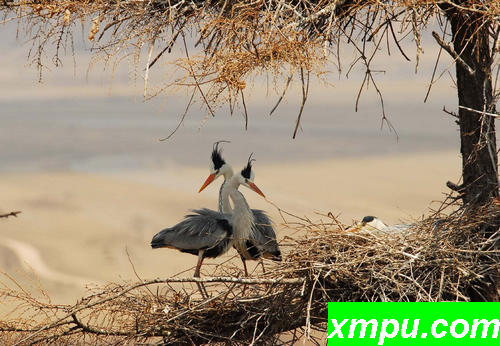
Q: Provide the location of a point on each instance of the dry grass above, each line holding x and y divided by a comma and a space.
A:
442, 258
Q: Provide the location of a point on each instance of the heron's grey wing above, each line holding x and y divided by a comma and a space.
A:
203, 229
209, 213
265, 237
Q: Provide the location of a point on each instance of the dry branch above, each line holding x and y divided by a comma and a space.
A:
495, 115
12, 213
447, 47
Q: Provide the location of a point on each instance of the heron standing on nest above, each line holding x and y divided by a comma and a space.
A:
261, 241
209, 233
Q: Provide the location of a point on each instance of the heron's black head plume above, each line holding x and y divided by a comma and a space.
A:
367, 219
247, 171
217, 159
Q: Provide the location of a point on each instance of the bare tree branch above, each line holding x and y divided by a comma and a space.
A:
12, 213
447, 47
495, 115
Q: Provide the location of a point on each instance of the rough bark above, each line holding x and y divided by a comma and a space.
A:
470, 39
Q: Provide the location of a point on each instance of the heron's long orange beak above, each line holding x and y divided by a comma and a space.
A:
256, 189
207, 182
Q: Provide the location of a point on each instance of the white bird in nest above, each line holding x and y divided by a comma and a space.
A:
373, 223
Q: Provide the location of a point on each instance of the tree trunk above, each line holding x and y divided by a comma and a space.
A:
470, 40
471, 45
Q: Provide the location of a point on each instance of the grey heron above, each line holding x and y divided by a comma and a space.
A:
209, 233
373, 223
261, 241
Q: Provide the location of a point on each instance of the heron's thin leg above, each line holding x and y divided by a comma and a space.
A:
198, 265
246, 274
244, 266
262, 263
202, 288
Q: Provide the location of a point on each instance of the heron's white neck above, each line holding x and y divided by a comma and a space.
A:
377, 224
242, 216
224, 205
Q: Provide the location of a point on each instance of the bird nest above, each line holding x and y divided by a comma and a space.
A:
441, 258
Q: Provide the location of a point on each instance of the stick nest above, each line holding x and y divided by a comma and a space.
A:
441, 258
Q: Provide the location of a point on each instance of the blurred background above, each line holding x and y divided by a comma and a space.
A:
81, 157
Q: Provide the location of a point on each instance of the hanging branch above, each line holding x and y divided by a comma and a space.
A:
282, 95
193, 74
435, 66
182, 117
245, 111
305, 92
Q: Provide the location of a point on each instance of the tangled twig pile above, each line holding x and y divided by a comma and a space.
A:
439, 258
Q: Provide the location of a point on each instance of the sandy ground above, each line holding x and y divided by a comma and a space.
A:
77, 228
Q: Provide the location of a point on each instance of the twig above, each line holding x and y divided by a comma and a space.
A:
324, 11
168, 46
146, 75
309, 303
12, 213
282, 95
495, 115
435, 67
182, 118
88, 329
194, 76
305, 92
453, 114
205, 302
447, 47
250, 281
454, 187
245, 112
134, 270
397, 42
